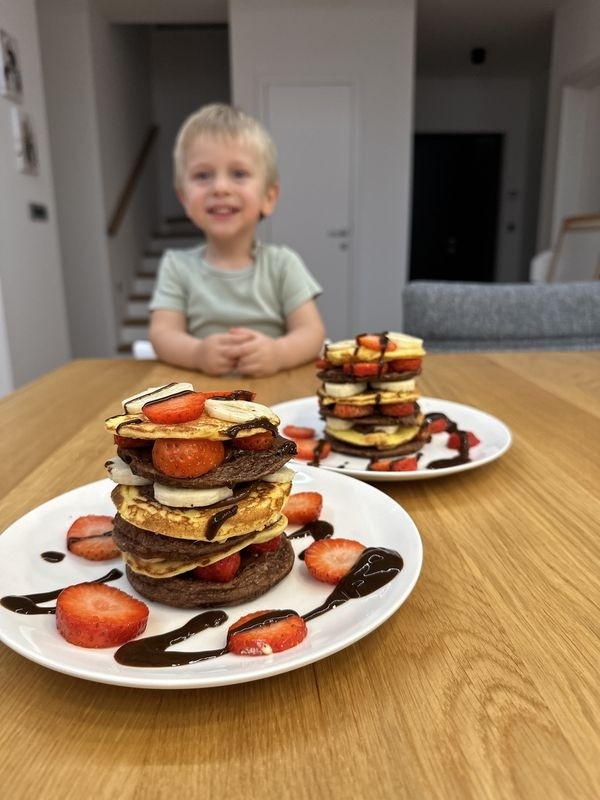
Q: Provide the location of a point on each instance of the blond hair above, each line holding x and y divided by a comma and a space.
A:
225, 122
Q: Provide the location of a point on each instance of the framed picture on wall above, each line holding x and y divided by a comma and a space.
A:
24, 142
11, 82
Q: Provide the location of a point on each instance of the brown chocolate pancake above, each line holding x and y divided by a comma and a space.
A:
239, 465
257, 574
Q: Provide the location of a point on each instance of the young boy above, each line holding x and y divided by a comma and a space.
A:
232, 304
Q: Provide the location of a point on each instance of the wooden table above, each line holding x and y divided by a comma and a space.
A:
484, 684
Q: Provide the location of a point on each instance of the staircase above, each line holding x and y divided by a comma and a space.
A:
173, 234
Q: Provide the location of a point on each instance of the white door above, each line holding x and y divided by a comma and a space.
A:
313, 128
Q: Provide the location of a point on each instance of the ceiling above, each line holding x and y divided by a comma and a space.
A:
515, 33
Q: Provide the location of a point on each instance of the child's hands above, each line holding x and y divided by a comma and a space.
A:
257, 354
217, 354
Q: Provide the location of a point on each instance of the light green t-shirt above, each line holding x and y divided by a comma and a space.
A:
213, 300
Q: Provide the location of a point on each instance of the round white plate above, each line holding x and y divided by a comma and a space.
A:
371, 517
494, 436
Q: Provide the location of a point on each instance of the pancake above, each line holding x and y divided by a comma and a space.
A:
349, 350
253, 509
239, 465
373, 452
257, 574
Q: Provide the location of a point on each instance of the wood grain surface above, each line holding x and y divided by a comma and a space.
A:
484, 684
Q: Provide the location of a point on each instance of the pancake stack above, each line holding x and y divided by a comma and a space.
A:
166, 525
369, 398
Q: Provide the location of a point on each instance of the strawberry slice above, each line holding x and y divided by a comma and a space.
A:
258, 442
129, 441
264, 632
97, 615
91, 537
176, 409
397, 409
303, 507
323, 363
220, 571
454, 440
329, 560
265, 547
364, 369
299, 432
438, 425
405, 364
187, 458
402, 464
376, 341
349, 411
309, 449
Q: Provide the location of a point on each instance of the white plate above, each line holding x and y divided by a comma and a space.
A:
372, 517
494, 436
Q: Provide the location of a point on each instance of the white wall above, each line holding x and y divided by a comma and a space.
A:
30, 263
494, 105
372, 45
575, 63
98, 121
190, 67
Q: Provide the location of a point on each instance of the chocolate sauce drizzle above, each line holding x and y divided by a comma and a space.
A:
52, 557
451, 427
28, 603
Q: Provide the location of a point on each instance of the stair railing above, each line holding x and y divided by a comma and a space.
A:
128, 189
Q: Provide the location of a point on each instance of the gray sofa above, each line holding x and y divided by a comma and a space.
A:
453, 316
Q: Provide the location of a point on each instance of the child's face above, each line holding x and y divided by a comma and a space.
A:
223, 189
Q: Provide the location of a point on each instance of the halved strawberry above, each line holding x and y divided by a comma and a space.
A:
264, 632
349, 411
257, 442
265, 547
322, 363
187, 458
97, 615
180, 408
376, 341
405, 364
397, 409
129, 441
299, 432
454, 440
365, 369
309, 449
303, 507
91, 537
220, 571
329, 560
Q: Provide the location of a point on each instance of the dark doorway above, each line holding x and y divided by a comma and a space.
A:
456, 189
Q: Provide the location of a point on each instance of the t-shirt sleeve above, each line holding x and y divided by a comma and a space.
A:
298, 285
170, 291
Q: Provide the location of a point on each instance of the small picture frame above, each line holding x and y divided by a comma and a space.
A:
11, 81
24, 142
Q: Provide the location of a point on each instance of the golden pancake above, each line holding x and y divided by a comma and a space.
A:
349, 350
137, 426
167, 568
379, 439
254, 511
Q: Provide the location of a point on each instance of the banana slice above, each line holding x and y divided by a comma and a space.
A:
119, 471
394, 386
344, 389
283, 475
176, 497
390, 429
239, 411
135, 403
337, 424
